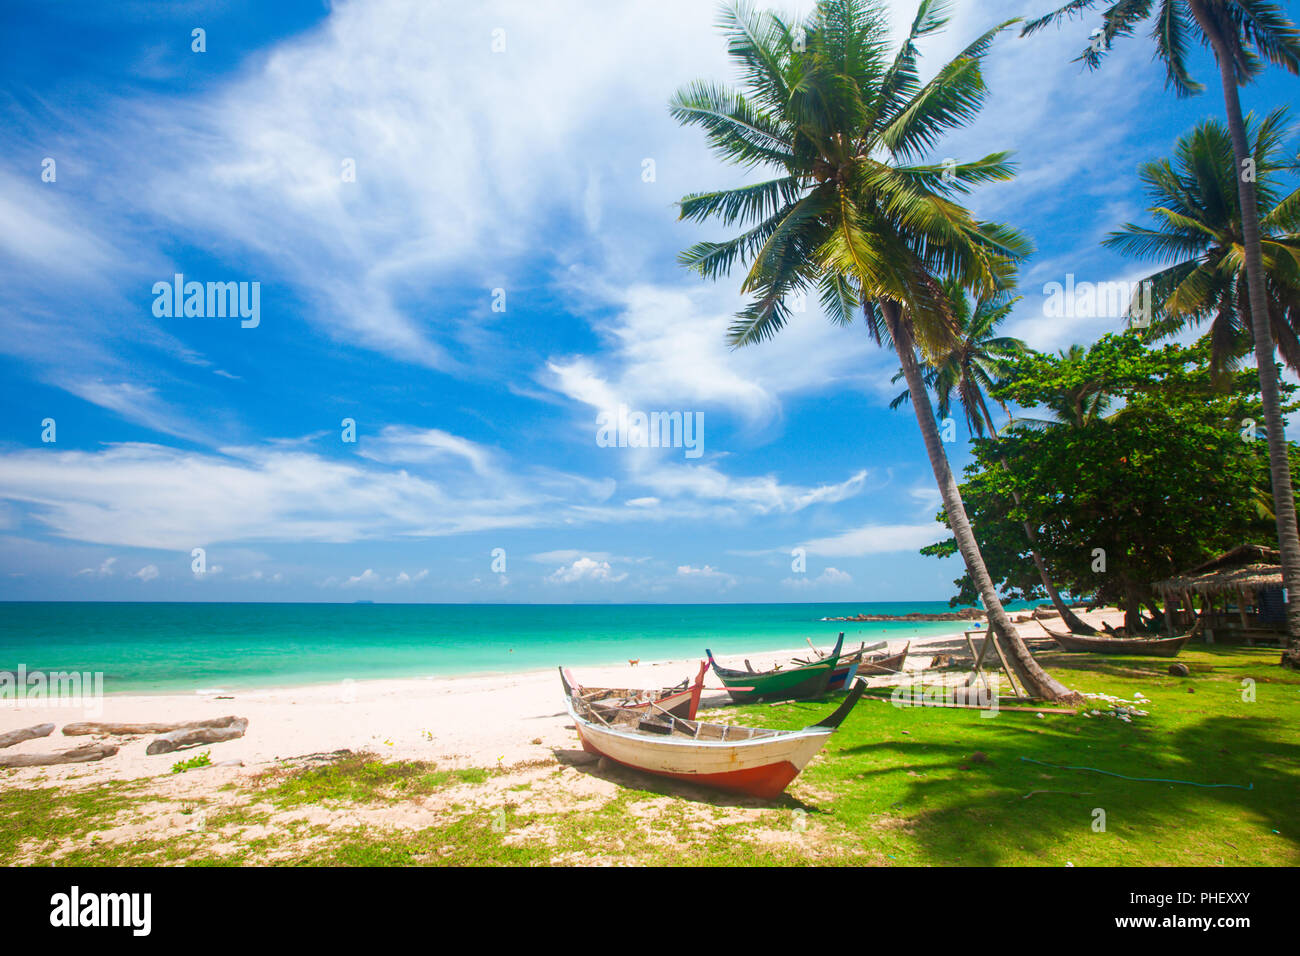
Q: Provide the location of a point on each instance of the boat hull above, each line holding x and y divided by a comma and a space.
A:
759, 768
843, 675
783, 685
884, 665
794, 683
1139, 647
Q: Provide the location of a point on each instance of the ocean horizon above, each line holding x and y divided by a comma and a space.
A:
186, 647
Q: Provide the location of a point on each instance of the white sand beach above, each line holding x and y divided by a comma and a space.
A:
478, 721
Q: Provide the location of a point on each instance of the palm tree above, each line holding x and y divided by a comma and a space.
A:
1198, 234
1243, 35
853, 212
973, 362
1075, 405
969, 369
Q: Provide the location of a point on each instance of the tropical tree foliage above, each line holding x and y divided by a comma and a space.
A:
1110, 497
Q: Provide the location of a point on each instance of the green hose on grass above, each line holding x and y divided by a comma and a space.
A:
1111, 773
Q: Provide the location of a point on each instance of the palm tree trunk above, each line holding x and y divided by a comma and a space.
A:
1035, 680
1068, 617
1288, 537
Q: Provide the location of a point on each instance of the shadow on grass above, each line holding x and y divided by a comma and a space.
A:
1224, 660
999, 808
605, 769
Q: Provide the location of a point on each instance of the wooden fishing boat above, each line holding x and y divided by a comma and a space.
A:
858, 662
747, 760
682, 700
884, 663
1140, 646
780, 683
847, 666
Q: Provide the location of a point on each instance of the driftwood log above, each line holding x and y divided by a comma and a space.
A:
12, 737
177, 739
123, 729
82, 754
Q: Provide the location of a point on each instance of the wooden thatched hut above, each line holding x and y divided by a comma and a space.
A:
1240, 594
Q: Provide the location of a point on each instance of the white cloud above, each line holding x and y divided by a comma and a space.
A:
147, 573
708, 574
151, 496
454, 152
564, 555
876, 539
586, 569
105, 569
927, 498
400, 444
761, 495
46, 233
259, 575
666, 350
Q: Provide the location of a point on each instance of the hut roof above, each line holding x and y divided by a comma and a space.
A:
1248, 566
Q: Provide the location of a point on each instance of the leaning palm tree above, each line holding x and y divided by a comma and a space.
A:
1198, 234
969, 369
853, 212
1243, 34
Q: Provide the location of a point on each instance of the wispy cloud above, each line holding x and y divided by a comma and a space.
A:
875, 539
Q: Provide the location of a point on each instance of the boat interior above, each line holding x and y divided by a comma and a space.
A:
659, 723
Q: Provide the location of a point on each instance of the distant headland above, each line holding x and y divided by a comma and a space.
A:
965, 614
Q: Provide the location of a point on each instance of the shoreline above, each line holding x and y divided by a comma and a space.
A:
484, 720
458, 721
208, 687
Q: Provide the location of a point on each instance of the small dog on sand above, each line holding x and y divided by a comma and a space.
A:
634, 662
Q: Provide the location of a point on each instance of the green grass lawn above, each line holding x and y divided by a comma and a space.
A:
904, 782
895, 786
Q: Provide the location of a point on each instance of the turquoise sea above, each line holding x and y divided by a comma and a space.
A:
187, 647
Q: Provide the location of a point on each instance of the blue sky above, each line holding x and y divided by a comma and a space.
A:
522, 170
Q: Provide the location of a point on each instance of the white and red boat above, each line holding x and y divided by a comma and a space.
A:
743, 759
680, 701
